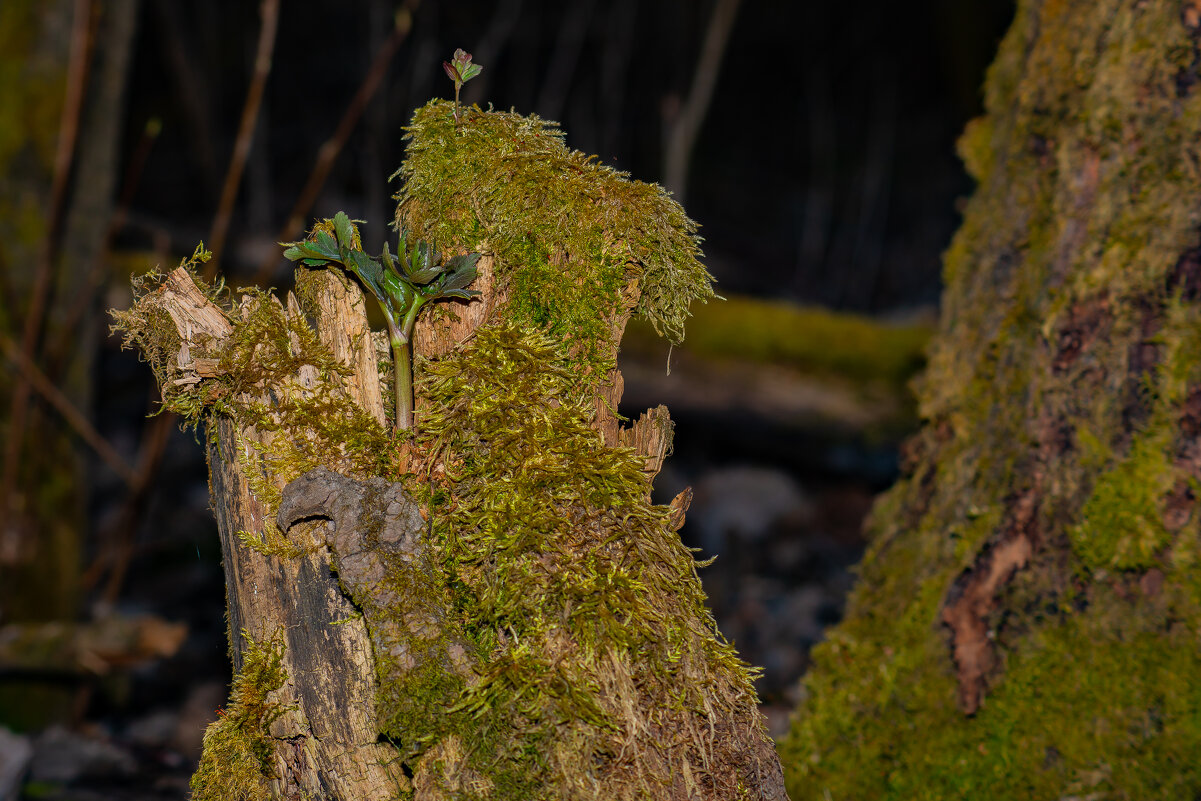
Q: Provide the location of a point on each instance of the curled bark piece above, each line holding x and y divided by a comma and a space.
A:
384, 564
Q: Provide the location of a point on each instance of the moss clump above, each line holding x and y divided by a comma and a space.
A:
557, 644
583, 603
568, 234
236, 764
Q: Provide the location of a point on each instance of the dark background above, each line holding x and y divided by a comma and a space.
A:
824, 173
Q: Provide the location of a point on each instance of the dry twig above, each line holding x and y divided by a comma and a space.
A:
269, 11
683, 130
37, 380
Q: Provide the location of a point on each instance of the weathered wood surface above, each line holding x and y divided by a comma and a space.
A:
327, 745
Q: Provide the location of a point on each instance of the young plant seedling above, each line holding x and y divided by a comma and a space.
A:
460, 70
402, 286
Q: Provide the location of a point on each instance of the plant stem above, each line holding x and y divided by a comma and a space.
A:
403, 366
402, 362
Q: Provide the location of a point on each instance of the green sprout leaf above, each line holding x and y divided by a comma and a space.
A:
460, 70
345, 230
402, 284
460, 271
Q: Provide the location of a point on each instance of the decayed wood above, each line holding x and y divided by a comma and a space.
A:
612, 388
343, 329
327, 744
197, 319
440, 329
651, 436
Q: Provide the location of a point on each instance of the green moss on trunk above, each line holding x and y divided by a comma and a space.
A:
1026, 621
238, 761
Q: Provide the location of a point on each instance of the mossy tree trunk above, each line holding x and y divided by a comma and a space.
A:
490, 607
1027, 617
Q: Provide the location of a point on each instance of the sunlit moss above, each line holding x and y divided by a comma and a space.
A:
582, 600
236, 764
598, 672
568, 233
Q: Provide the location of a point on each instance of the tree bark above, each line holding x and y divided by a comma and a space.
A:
326, 745
62, 200
1026, 619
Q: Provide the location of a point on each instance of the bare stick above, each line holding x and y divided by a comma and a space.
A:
56, 352
682, 132
121, 551
77, 71
269, 11
328, 153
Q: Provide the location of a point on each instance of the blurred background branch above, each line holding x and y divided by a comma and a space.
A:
683, 120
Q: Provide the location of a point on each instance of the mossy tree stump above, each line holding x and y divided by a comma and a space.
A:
490, 607
1027, 618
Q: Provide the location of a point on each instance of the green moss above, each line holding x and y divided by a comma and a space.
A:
1117, 688
568, 234
1121, 525
975, 148
236, 764
598, 671
1059, 377
812, 340
583, 602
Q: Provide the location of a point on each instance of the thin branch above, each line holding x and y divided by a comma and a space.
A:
615, 65
77, 76
328, 153
269, 11
36, 379
815, 229
154, 447
190, 92
683, 131
56, 351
